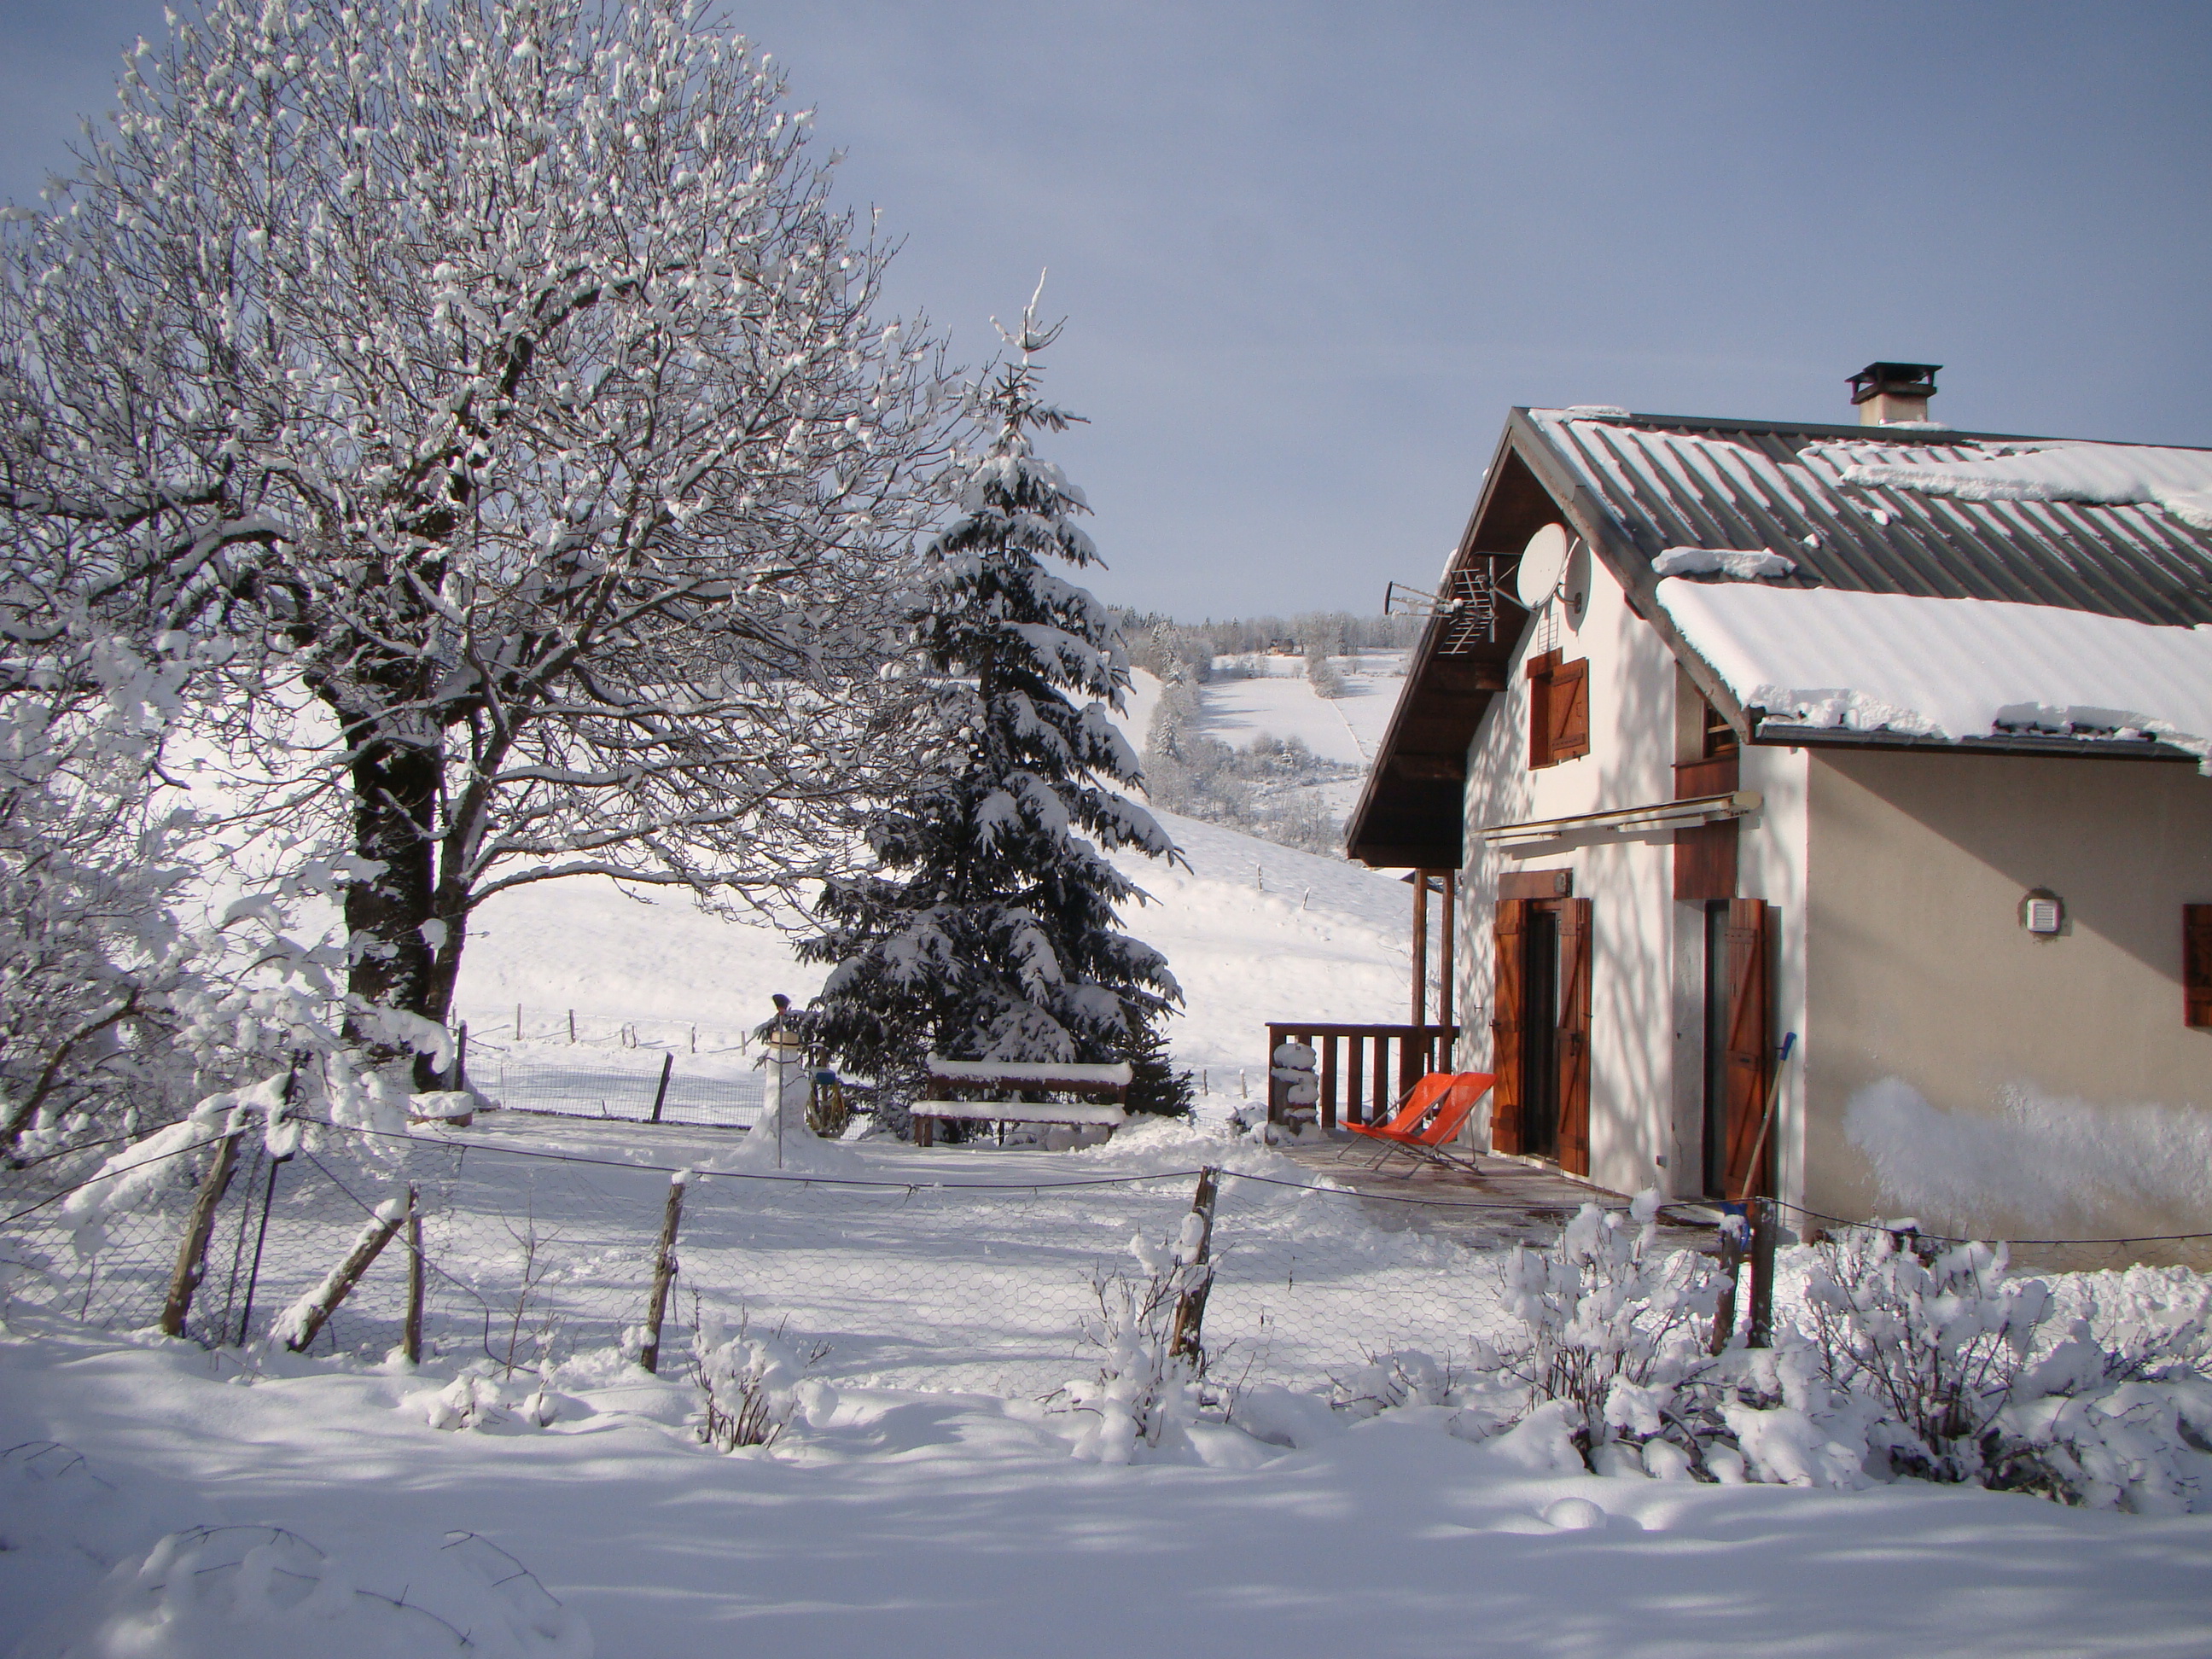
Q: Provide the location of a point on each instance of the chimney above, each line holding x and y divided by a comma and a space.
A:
1888, 393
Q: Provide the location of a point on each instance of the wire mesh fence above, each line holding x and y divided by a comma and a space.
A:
953, 1285
638, 1084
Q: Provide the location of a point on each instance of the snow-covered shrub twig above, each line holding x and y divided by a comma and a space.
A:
750, 1386
1146, 1388
1937, 1343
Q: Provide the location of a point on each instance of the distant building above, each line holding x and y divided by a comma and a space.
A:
1884, 735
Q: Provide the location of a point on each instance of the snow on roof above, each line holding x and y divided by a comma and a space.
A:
2109, 475
1738, 564
1948, 669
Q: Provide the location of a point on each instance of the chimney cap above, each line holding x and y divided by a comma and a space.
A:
1898, 380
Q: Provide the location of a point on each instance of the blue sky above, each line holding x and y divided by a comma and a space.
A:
1311, 254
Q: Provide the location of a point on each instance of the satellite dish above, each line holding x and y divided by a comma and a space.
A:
1542, 564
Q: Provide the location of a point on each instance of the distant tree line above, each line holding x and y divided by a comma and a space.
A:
1162, 645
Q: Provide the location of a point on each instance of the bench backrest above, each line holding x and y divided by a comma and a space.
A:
1065, 1076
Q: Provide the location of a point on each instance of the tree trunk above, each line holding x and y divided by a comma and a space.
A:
395, 790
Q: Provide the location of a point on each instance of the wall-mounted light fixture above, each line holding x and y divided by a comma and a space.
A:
2043, 913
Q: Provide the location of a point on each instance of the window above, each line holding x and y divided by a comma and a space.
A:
2197, 963
1558, 709
1719, 735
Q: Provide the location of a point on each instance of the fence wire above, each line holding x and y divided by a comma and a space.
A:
621, 1084
951, 1286
529, 1256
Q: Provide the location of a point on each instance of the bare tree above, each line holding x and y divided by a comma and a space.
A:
499, 377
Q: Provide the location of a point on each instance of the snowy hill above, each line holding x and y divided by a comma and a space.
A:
1254, 932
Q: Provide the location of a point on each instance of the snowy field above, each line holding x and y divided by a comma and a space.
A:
1282, 704
1254, 932
927, 1497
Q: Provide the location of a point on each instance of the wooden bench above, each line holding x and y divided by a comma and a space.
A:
968, 1085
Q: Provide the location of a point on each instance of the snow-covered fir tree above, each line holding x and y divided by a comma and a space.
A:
988, 930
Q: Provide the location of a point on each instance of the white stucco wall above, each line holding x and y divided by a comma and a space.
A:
1630, 878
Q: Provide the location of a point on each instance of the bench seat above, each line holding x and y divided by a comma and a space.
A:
1022, 1111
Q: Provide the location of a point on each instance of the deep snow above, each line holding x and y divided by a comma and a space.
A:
896, 1519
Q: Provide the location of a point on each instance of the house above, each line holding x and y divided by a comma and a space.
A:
1883, 735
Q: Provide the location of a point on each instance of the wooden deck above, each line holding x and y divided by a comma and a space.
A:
1503, 1201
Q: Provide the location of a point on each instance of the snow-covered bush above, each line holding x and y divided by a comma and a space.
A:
1937, 1343
750, 1386
471, 1400
1145, 1392
1612, 1331
93, 958
1402, 1376
1948, 1355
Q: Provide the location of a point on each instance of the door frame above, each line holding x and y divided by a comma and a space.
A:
1571, 1036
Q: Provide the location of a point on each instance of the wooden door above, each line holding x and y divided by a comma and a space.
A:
1750, 1039
1508, 954
1573, 1041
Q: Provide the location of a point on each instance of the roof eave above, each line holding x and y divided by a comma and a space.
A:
1379, 846
1775, 734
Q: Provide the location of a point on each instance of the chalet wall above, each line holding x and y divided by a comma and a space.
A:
1631, 699
1919, 968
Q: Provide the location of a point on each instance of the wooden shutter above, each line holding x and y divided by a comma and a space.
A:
1705, 853
1750, 1042
1540, 708
1568, 705
1574, 1038
2197, 963
1509, 943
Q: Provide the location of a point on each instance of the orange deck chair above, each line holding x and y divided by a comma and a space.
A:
1461, 1095
1415, 1105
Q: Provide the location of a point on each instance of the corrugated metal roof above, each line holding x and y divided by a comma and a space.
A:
1674, 481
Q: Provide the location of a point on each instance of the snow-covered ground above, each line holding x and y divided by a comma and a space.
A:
926, 1498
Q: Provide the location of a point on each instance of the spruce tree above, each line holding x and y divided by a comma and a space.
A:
988, 929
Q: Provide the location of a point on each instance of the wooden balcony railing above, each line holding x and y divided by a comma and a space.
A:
1363, 1068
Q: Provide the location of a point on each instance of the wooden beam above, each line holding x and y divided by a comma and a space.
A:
1431, 769
1389, 855
1421, 947
1451, 951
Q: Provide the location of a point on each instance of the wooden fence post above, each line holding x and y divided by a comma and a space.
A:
412, 1342
191, 1252
1762, 1274
1186, 1343
386, 1223
663, 1270
661, 1095
1734, 1236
